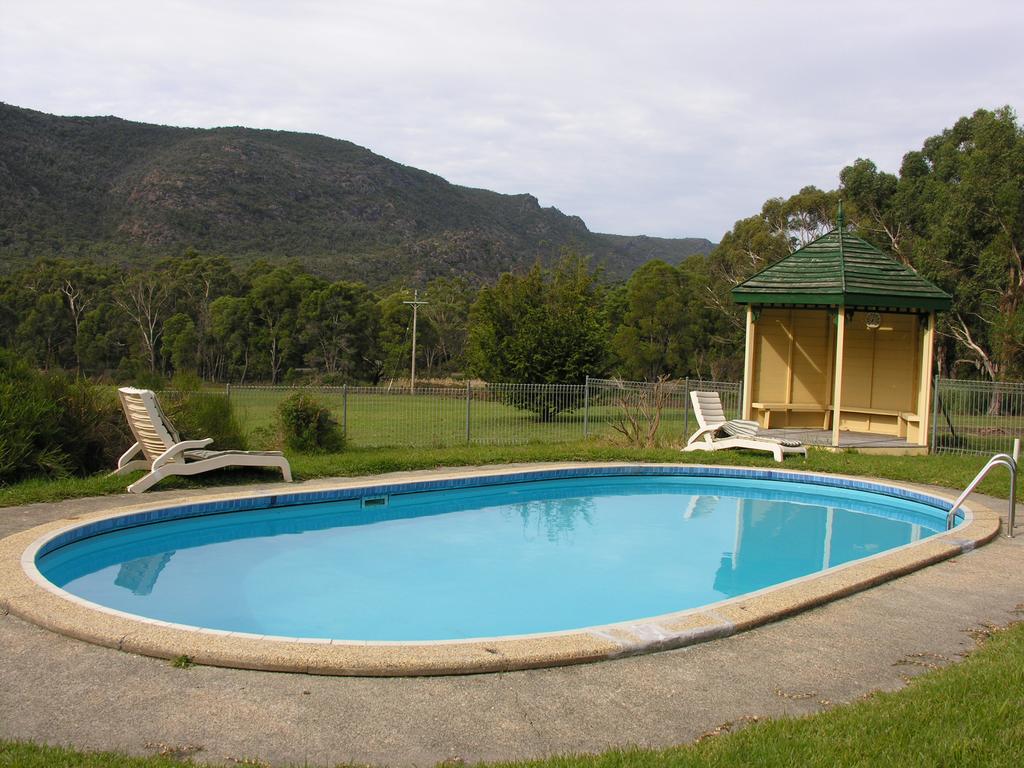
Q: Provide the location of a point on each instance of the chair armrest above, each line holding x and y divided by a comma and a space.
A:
702, 432
127, 455
177, 448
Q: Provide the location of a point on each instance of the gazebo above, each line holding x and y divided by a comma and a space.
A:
840, 339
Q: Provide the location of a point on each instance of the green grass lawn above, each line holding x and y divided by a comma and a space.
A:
948, 470
970, 714
436, 417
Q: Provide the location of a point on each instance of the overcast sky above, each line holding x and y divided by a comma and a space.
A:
643, 116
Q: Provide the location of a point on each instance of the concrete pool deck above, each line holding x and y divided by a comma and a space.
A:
62, 691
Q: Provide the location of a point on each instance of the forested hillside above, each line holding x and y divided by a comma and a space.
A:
954, 212
125, 193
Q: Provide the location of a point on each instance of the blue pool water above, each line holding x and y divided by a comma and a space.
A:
487, 561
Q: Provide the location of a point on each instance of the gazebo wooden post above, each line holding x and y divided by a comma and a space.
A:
925, 394
837, 386
748, 364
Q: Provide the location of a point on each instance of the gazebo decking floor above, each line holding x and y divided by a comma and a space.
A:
866, 441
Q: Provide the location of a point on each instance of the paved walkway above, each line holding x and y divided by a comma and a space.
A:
61, 691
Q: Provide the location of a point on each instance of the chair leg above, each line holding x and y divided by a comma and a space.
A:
146, 482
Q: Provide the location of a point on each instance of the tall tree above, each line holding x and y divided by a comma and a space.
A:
232, 326
144, 297
447, 310
876, 206
180, 346
44, 334
195, 282
274, 298
962, 196
340, 327
654, 338
541, 327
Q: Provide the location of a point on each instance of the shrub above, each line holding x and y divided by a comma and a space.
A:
198, 414
308, 426
29, 432
93, 429
148, 380
53, 425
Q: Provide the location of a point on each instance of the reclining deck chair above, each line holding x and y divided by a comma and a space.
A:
716, 432
167, 454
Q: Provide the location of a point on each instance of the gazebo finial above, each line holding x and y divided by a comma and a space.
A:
840, 219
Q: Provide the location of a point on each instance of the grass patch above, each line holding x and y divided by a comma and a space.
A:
948, 470
969, 714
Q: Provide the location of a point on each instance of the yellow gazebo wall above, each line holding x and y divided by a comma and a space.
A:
792, 363
880, 372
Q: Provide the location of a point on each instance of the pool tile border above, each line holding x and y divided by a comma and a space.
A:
24, 592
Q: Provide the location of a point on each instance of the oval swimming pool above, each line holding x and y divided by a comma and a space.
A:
483, 558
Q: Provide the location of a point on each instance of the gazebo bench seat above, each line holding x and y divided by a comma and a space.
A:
767, 408
903, 418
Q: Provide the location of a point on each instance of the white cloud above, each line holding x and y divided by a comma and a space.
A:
665, 118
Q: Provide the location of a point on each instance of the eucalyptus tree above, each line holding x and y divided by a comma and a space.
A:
274, 298
447, 311
44, 335
180, 348
196, 281
144, 298
802, 217
956, 214
339, 323
103, 340
546, 326
232, 328
967, 189
877, 207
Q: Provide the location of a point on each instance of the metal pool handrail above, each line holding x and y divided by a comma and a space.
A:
1000, 459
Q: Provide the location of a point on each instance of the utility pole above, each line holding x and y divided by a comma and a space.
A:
415, 310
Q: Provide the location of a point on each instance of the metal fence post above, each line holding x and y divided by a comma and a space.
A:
586, 408
344, 410
935, 414
469, 399
686, 407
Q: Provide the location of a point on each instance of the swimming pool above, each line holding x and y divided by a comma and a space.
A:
530, 567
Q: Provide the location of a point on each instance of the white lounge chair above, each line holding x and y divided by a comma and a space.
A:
167, 454
716, 432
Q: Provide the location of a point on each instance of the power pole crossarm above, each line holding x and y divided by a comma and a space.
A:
415, 311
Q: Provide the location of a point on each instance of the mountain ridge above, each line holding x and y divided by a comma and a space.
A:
122, 191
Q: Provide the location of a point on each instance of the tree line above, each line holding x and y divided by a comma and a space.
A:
954, 212
201, 314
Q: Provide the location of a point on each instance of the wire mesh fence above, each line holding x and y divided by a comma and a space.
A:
968, 417
652, 412
495, 414
976, 417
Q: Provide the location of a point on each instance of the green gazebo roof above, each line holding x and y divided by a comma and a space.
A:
840, 269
